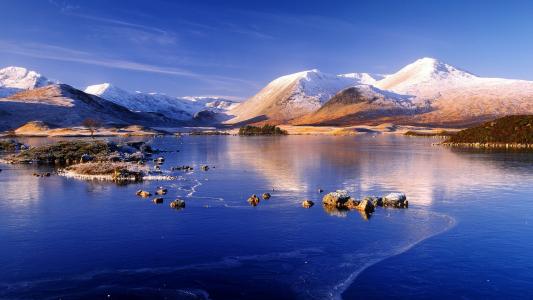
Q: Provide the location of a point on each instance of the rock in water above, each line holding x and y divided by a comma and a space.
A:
365, 206
158, 200
178, 204
161, 191
351, 204
253, 200
376, 201
307, 203
398, 200
143, 194
204, 168
320, 190
266, 196
336, 199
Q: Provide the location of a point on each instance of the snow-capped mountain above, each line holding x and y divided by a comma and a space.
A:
173, 107
16, 79
62, 105
425, 78
291, 96
452, 96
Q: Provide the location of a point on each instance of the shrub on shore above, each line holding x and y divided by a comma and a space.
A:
507, 130
264, 130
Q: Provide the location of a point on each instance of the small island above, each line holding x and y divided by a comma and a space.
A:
94, 159
510, 132
266, 129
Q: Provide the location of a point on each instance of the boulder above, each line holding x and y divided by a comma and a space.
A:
351, 204
178, 204
143, 194
266, 196
376, 201
161, 191
253, 200
307, 203
365, 206
336, 199
158, 200
204, 168
397, 200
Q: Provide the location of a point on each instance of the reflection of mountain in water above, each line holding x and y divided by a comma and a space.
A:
366, 165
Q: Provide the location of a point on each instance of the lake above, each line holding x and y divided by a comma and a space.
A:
466, 234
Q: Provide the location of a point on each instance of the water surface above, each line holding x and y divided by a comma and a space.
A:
466, 230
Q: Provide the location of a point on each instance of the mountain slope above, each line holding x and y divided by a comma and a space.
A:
63, 105
357, 105
16, 79
173, 107
456, 97
290, 96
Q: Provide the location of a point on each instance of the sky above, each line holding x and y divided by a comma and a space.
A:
234, 48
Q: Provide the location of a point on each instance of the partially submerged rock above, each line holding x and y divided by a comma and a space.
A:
376, 201
46, 174
182, 168
254, 200
397, 200
161, 191
144, 194
365, 206
158, 200
204, 168
177, 204
266, 196
124, 175
307, 203
336, 199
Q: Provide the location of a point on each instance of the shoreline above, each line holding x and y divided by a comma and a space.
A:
513, 146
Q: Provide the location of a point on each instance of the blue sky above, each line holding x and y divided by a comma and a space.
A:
234, 48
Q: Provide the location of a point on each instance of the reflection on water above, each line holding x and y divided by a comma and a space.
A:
104, 238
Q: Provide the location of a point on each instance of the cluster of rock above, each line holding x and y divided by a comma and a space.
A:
341, 200
46, 174
182, 168
254, 200
177, 204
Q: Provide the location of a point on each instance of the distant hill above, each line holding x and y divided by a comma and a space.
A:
516, 129
183, 108
62, 105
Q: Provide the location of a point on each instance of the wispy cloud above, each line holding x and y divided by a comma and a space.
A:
46, 51
52, 52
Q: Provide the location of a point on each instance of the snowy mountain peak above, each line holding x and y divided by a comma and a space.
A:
424, 72
16, 79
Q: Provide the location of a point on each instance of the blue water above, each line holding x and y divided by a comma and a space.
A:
466, 234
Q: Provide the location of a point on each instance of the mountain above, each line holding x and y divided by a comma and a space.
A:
16, 79
291, 96
360, 104
173, 107
62, 105
450, 96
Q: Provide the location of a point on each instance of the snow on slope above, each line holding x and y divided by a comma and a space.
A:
455, 96
425, 78
16, 79
291, 96
364, 78
173, 107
